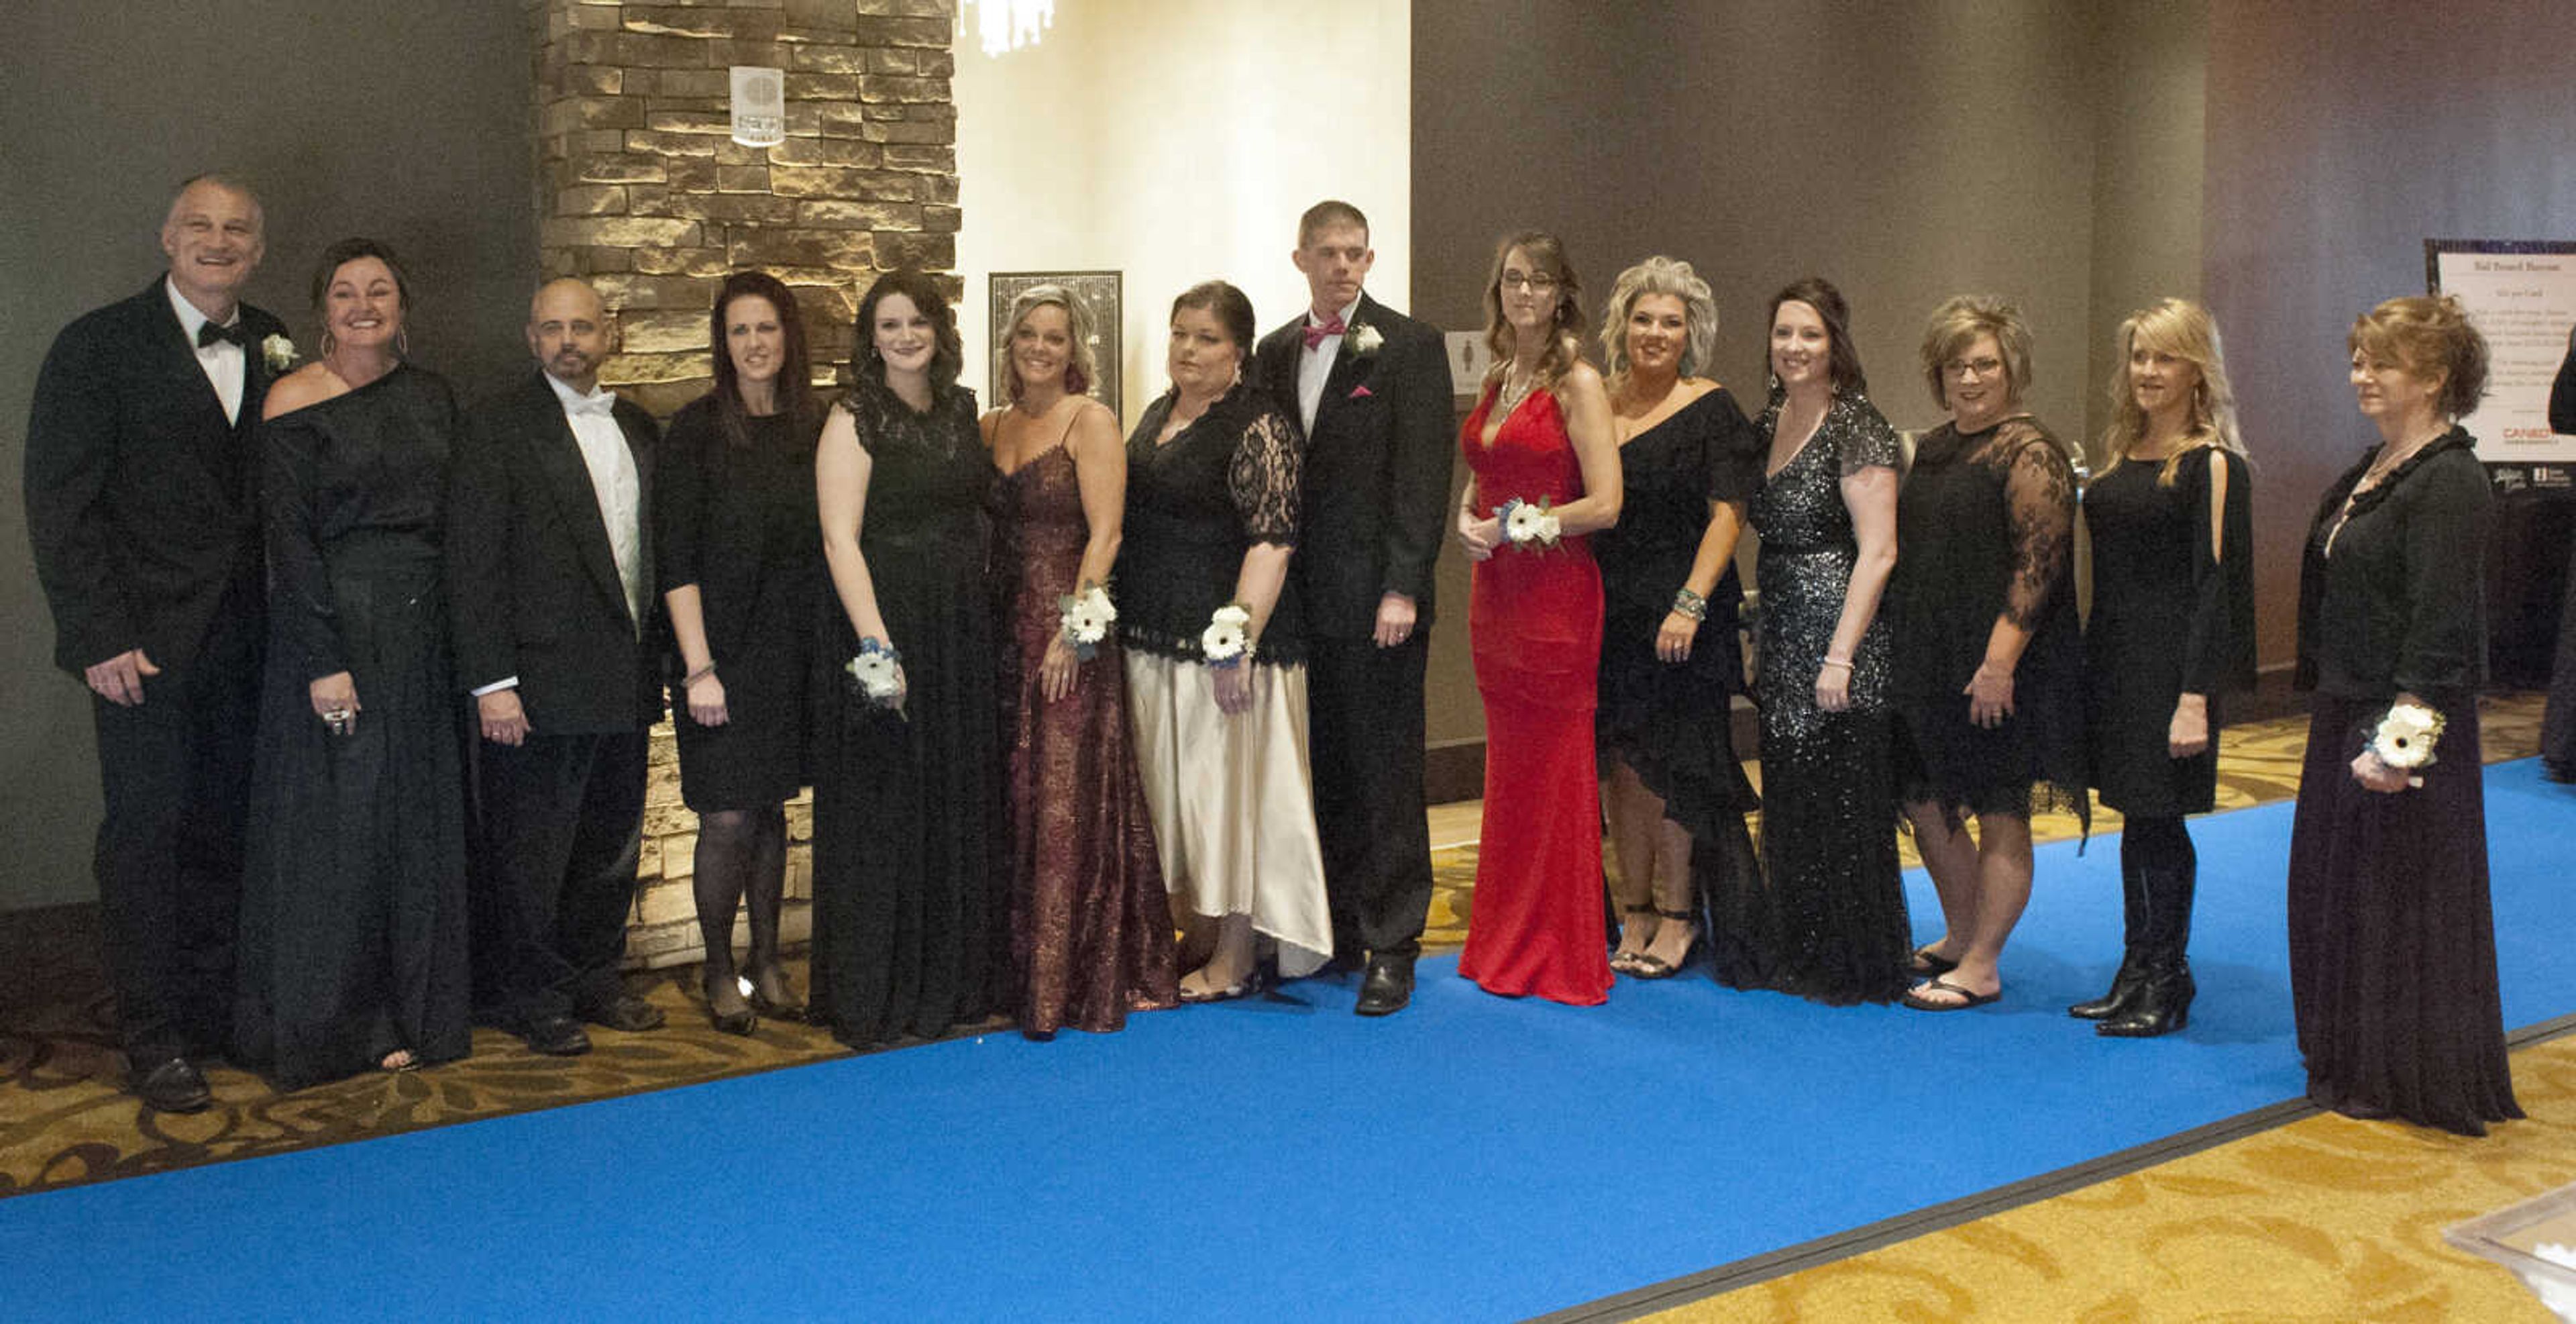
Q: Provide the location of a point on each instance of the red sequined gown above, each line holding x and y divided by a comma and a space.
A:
1534, 624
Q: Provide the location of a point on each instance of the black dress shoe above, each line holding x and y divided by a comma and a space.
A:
624, 1012
171, 1086
1388, 988
555, 1036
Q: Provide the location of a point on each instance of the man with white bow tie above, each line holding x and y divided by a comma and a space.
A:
549, 568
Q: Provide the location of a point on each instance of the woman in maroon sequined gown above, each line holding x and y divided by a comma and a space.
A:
1540, 435
1091, 928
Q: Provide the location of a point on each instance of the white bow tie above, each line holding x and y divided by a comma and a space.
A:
602, 405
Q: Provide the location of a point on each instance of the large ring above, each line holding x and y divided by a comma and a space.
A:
336, 716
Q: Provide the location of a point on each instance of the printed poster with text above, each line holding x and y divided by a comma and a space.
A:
2522, 296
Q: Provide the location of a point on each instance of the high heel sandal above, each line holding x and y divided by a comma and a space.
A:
1625, 961
1651, 966
742, 1022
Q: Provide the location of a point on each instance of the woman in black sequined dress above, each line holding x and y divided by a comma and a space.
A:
1826, 512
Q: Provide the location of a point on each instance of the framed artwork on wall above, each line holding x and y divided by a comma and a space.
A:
1096, 291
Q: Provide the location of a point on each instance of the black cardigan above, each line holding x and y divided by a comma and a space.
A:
2400, 606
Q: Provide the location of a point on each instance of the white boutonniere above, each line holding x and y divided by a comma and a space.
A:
2405, 737
879, 671
1224, 641
1087, 617
1364, 340
277, 352
1529, 525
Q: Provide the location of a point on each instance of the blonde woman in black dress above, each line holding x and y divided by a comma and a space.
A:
2172, 524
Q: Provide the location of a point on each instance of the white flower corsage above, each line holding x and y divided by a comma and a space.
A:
2405, 737
1364, 339
1224, 641
278, 352
1527, 525
1087, 617
879, 671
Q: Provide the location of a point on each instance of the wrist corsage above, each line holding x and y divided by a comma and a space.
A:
2404, 739
1224, 641
1529, 526
878, 669
1087, 618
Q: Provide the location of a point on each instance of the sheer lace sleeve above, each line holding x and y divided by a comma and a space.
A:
1263, 478
1861, 435
2039, 493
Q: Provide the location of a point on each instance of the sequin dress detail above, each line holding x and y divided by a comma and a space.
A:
1534, 624
1091, 929
1839, 928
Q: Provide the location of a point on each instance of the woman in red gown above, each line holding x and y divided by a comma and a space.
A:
1546, 473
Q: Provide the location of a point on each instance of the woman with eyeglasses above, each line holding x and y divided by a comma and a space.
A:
1546, 477
1989, 655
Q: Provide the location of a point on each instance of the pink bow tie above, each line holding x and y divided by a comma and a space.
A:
1315, 334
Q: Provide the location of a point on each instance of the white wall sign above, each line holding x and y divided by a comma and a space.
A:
2522, 296
759, 106
1470, 358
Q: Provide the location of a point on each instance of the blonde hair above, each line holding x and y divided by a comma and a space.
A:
2185, 330
1565, 349
1658, 275
1958, 322
1083, 370
2428, 334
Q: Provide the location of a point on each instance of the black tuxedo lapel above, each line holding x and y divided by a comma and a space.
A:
568, 476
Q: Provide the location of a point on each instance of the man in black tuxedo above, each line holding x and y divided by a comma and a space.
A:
1371, 387
550, 571
142, 505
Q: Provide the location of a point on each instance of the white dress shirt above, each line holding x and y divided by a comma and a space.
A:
614, 481
1315, 365
223, 361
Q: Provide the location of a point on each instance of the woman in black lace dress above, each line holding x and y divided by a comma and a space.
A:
1670, 664
353, 902
2392, 931
2172, 524
1216, 675
1989, 656
1827, 515
911, 925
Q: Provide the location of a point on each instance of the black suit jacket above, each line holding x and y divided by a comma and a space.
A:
530, 576
1376, 468
142, 501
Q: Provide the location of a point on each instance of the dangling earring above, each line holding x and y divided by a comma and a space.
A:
402, 341
327, 342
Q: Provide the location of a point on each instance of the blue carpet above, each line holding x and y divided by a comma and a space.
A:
1474, 1158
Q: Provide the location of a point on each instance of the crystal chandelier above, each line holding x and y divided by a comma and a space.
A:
1006, 25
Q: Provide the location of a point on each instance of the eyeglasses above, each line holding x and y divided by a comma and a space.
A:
1536, 282
1964, 368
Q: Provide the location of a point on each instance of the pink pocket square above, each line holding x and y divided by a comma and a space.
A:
1360, 391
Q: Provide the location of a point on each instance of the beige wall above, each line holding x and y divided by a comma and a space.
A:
1175, 143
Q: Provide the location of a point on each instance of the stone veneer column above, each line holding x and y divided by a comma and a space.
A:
643, 192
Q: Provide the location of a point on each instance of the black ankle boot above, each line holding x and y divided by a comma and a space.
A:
2133, 967
2124, 989
2162, 1003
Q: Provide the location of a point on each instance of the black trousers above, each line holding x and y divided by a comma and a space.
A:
559, 822
174, 772
1364, 743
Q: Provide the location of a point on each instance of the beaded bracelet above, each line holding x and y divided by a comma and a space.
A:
1687, 603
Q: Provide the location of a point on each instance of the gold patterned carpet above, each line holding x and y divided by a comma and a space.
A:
2324, 1219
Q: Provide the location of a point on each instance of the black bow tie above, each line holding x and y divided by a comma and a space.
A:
237, 333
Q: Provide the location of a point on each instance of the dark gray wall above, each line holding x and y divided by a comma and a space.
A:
2048, 152
408, 122
2341, 137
